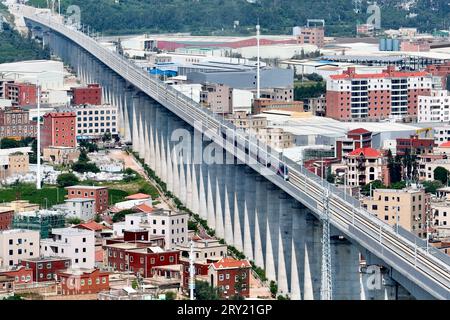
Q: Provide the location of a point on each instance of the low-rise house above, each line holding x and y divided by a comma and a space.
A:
231, 276
83, 281
16, 245
44, 269
6, 217
6, 286
21, 274
61, 155
99, 194
82, 208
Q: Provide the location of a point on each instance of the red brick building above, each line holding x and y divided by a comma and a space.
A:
138, 257
21, 274
352, 96
58, 130
45, 268
99, 194
414, 145
84, 281
15, 123
21, 94
201, 269
312, 35
92, 94
227, 274
357, 138
6, 216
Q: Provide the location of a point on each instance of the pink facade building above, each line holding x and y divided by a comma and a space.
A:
58, 130
377, 96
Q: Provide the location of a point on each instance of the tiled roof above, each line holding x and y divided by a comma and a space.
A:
366, 152
230, 263
358, 131
144, 208
445, 145
138, 196
91, 225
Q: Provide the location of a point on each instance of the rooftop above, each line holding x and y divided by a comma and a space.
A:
16, 231
231, 263
91, 225
70, 231
366, 152
86, 187
138, 196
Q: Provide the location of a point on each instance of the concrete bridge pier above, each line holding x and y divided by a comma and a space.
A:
273, 204
249, 212
260, 225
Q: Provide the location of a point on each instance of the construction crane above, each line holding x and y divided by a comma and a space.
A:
427, 132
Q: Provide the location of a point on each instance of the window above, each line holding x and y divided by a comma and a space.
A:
221, 277
104, 280
82, 282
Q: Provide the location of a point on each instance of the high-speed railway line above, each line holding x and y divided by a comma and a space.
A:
404, 252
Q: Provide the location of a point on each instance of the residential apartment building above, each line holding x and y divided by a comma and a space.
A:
99, 194
355, 139
21, 94
410, 207
441, 134
441, 71
312, 35
15, 123
16, 245
204, 249
39, 220
81, 208
364, 166
231, 276
434, 107
217, 97
173, 226
93, 121
45, 268
59, 130
267, 105
245, 122
76, 244
390, 94
440, 216
276, 137
92, 94
414, 145
138, 257
83, 281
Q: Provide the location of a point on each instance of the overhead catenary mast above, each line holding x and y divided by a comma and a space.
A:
191, 272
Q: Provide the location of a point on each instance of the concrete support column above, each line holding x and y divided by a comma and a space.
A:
211, 194
141, 138
287, 210
239, 206
219, 184
273, 200
156, 136
312, 261
249, 213
229, 204
260, 221
135, 124
298, 250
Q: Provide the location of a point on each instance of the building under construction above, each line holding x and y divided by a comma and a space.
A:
42, 220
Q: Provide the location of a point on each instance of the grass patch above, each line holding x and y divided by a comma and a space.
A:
28, 192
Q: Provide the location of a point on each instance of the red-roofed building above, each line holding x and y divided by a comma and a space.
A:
21, 274
231, 276
138, 196
58, 130
365, 165
357, 138
390, 94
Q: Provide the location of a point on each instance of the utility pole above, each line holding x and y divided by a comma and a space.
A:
191, 272
38, 151
326, 288
258, 58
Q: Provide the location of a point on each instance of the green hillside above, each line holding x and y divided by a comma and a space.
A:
275, 16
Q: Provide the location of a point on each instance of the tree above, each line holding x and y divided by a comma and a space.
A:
171, 295
83, 156
441, 174
98, 218
107, 137
432, 186
395, 167
120, 216
7, 143
67, 180
377, 184
273, 288
203, 291
239, 285
82, 167
74, 220
33, 154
